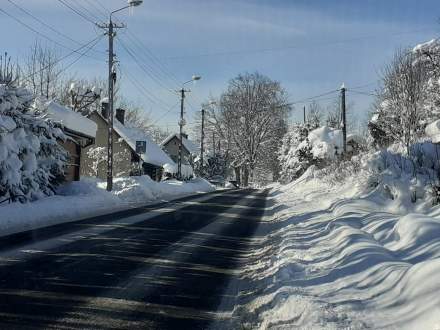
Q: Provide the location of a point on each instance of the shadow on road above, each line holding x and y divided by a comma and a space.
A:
168, 272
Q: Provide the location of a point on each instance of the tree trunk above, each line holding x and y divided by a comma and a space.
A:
245, 176
237, 175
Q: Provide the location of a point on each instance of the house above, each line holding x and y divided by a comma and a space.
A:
171, 147
126, 162
80, 132
355, 144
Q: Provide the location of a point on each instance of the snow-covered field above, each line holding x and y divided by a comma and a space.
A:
88, 198
343, 257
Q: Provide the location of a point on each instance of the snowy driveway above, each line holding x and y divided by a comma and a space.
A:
175, 266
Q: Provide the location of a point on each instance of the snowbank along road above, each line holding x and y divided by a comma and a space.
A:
172, 266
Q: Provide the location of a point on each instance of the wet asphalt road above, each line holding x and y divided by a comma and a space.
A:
172, 266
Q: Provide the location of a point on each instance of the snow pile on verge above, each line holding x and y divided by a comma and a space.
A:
325, 141
345, 256
88, 197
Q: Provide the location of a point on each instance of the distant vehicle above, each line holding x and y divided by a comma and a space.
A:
217, 180
233, 184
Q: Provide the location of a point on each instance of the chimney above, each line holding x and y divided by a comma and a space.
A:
104, 109
120, 114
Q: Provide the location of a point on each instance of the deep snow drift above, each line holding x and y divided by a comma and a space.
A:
88, 198
343, 256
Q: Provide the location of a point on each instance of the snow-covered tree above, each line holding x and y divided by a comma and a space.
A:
400, 113
295, 153
250, 121
31, 161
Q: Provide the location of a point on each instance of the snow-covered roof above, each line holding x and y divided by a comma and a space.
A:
355, 138
153, 155
188, 144
70, 119
433, 131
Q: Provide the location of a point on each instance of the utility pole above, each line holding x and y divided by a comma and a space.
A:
111, 79
182, 92
344, 119
213, 143
304, 115
181, 123
202, 138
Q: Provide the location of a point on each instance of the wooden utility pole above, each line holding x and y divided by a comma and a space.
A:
304, 114
344, 119
213, 143
181, 124
202, 138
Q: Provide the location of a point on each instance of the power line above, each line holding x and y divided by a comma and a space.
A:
76, 51
362, 93
45, 24
39, 33
98, 39
97, 8
76, 11
162, 67
312, 98
264, 50
150, 96
163, 71
166, 113
89, 12
143, 68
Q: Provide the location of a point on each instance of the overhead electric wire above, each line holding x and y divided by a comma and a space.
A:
362, 93
100, 11
314, 97
320, 44
27, 12
39, 33
76, 51
166, 113
143, 68
87, 11
161, 66
313, 100
82, 54
76, 11
150, 96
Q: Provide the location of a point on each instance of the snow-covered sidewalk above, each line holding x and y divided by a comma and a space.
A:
332, 257
89, 198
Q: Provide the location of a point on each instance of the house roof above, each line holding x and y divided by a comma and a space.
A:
153, 155
70, 119
189, 145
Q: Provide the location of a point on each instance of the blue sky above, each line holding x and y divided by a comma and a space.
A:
311, 47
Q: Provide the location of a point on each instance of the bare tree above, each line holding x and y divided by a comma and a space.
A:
7, 74
400, 105
315, 115
42, 72
251, 120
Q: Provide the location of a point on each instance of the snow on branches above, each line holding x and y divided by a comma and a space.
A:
31, 161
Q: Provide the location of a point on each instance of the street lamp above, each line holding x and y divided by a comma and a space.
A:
111, 79
202, 136
182, 123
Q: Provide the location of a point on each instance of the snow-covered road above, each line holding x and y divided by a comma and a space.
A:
333, 258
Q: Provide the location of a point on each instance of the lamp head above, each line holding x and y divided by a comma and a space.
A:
194, 78
134, 3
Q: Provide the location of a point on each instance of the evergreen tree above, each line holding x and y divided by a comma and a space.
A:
31, 160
